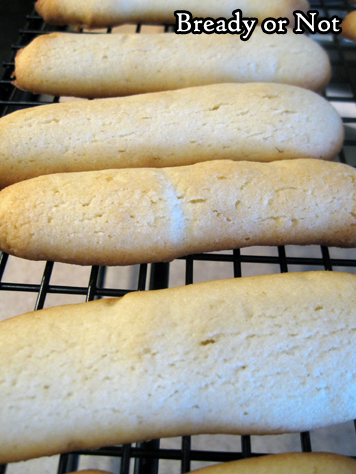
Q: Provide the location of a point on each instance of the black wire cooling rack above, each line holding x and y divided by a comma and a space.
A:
183, 454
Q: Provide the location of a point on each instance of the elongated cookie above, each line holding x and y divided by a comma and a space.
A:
349, 26
91, 471
258, 355
104, 13
289, 463
257, 122
100, 65
123, 217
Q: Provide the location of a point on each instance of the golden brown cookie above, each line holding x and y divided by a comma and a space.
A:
103, 65
104, 13
254, 122
123, 217
255, 355
289, 463
349, 26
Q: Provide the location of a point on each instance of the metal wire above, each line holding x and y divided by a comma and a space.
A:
144, 458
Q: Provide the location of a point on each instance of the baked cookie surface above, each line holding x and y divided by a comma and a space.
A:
105, 13
128, 216
255, 122
254, 355
103, 65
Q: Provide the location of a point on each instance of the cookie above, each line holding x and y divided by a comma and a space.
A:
105, 13
91, 471
349, 26
123, 217
255, 355
289, 463
256, 122
103, 65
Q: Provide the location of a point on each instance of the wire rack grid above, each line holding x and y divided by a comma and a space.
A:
44, 285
